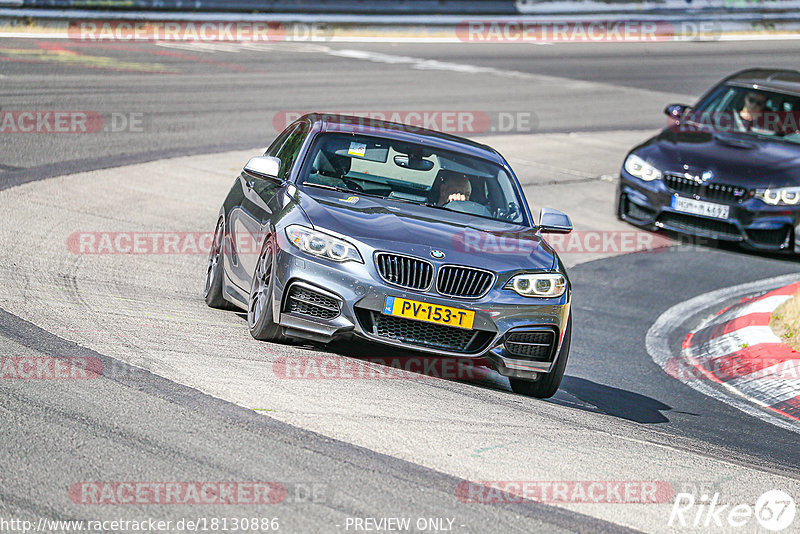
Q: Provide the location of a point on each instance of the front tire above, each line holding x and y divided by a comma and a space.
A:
546, 386
213, 288
259, 304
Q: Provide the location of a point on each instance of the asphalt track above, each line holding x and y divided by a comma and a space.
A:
187, 396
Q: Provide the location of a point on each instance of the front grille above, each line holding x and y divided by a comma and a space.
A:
404, 271
304, 301
531, 345
730, 194
454, 281
435, 336
770, 238
700, 226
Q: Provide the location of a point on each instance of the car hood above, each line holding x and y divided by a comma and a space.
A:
412, 229
734, 159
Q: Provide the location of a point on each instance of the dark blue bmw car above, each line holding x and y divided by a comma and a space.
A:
727, 168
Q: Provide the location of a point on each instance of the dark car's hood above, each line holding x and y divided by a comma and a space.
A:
734, 159
416, 230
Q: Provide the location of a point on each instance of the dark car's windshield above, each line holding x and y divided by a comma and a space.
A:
415, 173
748, 111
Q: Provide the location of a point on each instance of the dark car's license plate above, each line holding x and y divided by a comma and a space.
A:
430, 313
700, 207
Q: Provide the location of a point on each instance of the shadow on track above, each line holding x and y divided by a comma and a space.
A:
617, 402
597, 397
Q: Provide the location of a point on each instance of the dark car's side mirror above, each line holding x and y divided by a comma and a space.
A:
554, 222
264, 166
676, 111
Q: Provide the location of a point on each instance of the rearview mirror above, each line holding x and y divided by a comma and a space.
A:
554, 222
415, 164
266, 166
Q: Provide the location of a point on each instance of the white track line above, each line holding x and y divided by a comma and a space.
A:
657, 342
732, 342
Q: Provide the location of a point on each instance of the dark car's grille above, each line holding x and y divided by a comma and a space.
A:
404, 271
700, 226
730, 194
423, 334
304, 301
531, 345
770, 238
453, 281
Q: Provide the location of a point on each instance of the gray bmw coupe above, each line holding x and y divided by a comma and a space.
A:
400, 236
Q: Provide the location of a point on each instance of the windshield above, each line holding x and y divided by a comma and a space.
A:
415, 173
748, 111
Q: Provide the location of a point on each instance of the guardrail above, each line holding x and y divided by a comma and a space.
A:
544, 7
422, 7
364, 7
743, 14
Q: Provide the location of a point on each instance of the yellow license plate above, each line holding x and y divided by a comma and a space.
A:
430, 313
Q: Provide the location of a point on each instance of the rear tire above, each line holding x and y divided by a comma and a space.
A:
547, 385
215, 272
259, 303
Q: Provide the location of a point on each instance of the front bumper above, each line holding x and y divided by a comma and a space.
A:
360, 294
750, 222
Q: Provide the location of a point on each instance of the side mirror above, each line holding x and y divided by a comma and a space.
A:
265, 166
554, 222
676, 111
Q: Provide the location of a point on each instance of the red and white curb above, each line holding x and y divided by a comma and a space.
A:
733, 355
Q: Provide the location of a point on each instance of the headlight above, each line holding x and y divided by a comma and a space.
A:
321, 244
545, 285
782, 196
639, 168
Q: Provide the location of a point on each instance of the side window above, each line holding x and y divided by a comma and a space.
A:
279, 141
288, 152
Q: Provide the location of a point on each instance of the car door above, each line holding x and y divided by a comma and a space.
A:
250, 222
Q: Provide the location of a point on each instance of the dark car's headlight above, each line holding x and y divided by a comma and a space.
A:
321, 244
543, 285
781, 196
639, 168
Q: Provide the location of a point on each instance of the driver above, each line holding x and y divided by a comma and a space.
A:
455, 186
753, 107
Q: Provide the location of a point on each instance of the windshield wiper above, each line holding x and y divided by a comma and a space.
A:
343, 190
330, 187
436, 206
